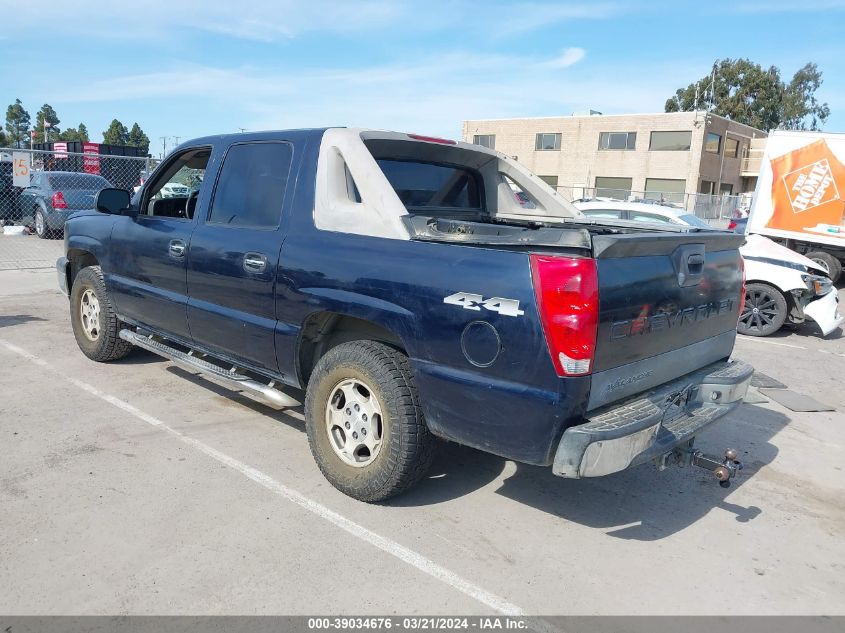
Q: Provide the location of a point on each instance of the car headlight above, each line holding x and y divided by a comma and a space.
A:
817, 284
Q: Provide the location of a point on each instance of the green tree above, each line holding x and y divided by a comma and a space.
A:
75, 134
17, 125
137, 138
48, 114
747, 93
117, 134
801, 109
4, 140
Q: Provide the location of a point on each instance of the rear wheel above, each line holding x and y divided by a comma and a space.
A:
40, 222
95, 325
827, 261
764, 311
364, 421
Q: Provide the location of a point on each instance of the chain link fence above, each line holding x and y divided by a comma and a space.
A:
39, 189
715, 209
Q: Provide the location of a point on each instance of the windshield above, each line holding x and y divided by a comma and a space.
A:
77, 181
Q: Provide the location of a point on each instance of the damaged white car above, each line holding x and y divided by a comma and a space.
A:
782, 286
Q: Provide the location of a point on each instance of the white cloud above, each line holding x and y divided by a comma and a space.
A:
567, 58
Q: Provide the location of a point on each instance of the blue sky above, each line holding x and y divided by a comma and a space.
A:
189, 67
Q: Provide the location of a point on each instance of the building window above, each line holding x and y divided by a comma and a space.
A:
665, 189
549, 180
485, 140
726, 189
670, 141
609, 187
712, 143
547, 141
617, 140
708, 187
731, 147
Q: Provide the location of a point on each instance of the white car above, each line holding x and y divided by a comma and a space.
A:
781, 285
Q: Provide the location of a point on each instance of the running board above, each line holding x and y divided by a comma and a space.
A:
229, 377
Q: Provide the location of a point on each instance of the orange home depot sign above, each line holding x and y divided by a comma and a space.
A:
807, 187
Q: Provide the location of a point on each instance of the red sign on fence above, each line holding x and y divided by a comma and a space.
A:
60, 150
91, 158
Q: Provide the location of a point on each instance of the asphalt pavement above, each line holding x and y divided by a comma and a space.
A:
138, 488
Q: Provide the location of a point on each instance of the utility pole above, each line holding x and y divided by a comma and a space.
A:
46, 131
163, 146
242, 129
177, 139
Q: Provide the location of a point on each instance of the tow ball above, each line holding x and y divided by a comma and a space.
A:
723, 469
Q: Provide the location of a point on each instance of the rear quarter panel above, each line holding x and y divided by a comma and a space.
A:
516, 406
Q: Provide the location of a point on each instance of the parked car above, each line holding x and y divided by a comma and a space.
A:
398, 280
782, 285
738, 225
53, 195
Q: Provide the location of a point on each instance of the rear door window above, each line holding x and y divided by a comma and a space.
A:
252, 184
422, 185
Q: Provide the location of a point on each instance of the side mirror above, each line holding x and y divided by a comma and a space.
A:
112, 201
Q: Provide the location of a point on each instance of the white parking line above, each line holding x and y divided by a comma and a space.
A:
749, 339
383, 543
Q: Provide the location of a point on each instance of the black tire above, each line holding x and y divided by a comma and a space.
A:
828, 261
103, 343
771, 311
406, 449
41, 228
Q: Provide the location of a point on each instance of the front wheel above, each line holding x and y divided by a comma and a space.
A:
364, 421
764, 311
95, 324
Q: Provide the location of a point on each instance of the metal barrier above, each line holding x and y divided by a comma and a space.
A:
716, 209
38, 189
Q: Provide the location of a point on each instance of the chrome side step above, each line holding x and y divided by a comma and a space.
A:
229, 377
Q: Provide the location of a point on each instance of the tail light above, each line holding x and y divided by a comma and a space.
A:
59, 201
568, 300
742, 289
732, 225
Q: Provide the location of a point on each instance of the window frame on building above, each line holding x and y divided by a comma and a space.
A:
709, 190
708, 138
736, 143
551, 181
630, 143
603, 185
538, 142
665, 195
652, 148
477, 140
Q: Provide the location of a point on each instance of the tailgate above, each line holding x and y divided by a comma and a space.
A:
668, 305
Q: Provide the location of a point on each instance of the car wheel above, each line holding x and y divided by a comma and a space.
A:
364, 421
764, 311
40, 222
95, 324
832, 266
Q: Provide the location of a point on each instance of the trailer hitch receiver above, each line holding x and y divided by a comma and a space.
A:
723, 469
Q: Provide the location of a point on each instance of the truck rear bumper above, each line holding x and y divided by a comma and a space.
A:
648, 425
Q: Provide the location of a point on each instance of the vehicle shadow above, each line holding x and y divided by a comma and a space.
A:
18, 319
140, 356
641, 503
230, 396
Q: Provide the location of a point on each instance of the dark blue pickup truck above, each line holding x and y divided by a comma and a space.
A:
415, 287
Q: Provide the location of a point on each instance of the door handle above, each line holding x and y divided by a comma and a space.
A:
177, 248
254, 262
